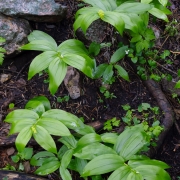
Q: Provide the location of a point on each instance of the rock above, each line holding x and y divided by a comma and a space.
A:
10, 151
95, 33
71, 81
15, 31
4, 77
34, 10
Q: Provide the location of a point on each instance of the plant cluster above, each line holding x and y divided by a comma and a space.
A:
86, 152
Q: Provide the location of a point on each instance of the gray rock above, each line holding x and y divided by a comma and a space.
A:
95, 33
34, 10
15, 31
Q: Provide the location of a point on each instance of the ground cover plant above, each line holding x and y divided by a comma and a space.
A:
79, 142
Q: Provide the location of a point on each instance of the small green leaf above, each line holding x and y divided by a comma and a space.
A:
15, 158
27, 153
100, 70
108, 73
177, 85
94, 48
122, 72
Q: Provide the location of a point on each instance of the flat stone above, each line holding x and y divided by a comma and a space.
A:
15, 31
34, 10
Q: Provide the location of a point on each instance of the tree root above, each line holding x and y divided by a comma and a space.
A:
164, 105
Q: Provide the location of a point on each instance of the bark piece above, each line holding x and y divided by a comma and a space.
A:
71, 81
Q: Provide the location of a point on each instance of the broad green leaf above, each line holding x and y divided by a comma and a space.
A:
109, 138
99, 4
136, 38
135, 7
57, 72
103, 164
77, 165
125, 135
43, 138
84, 129
146, 1
108, 73
93, 150
65, 175
143, 162
119, 54
120, 173
41, 62
114, 18
53, 126
87, 139
87, 20
39, 158
134, 176
130, 142
145, 18
150, 172
81, 62
35, 106
69, 141
21, 114
39, 45
22, 139
163, 2
177, 84
18, 125
72, 46
48, 168
159, 14
100, 70
122, 72
66, 158
1, 58
68, 119
62, 151
39, 35
43, 100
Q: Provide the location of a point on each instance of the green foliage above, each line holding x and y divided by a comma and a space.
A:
109, 124
39, 121
63, 99
106, 71
56, 58
2, 50
106, 93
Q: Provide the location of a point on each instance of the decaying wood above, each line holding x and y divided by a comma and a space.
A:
13, 175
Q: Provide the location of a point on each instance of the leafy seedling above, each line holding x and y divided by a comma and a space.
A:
109, 124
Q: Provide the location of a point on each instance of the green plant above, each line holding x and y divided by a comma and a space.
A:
147, 116
40, 121
2, 50
125, 162
109, 124
63, 99
56, 58
106, 93
11, 106
119, 13
106, 71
